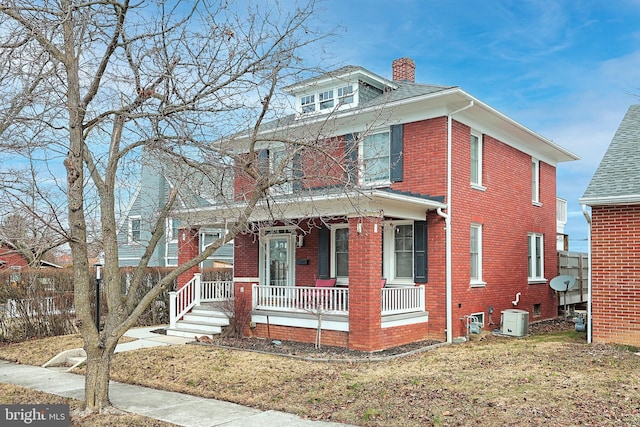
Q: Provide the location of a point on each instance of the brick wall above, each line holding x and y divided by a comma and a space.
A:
615, 272
246, 251
188, 248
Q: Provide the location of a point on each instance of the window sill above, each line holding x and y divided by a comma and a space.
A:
478, 187
537, 281
477, 284
538, 204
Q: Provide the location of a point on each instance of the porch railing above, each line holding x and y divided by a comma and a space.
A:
195, 292
301, 299
335, 300
216, 291
403, 300
184, 299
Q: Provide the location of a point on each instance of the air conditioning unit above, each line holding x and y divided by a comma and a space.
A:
515, 322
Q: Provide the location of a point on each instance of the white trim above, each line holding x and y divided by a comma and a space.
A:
246, 279
301, 321
628, 199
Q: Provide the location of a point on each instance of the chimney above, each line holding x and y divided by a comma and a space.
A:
404, 69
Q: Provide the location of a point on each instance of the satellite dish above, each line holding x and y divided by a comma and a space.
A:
563, 283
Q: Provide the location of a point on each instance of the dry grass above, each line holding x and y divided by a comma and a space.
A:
552, 379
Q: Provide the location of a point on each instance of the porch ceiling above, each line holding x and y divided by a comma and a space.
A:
374, 202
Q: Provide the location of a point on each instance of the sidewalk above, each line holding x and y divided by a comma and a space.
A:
176, 408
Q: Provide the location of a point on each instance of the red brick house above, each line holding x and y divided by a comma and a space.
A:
449, 201
614, 197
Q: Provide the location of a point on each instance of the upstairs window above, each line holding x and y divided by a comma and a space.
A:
375, 158
281, 169
345, 95
326, 99
535, 181
476, 160
135, 224
308, 104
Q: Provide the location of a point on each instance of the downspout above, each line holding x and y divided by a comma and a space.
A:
589, 286
447, 221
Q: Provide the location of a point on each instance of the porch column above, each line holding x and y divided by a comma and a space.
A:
365, 272
188, 248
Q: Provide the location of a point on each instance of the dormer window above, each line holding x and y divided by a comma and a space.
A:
326, 99
308, 103
345, 95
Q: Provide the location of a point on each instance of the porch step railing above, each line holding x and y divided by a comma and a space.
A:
194, 292
301, 299
403, 300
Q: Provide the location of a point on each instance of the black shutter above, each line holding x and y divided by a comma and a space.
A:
297, 172
420, 252
351, 158
263, 162
395, 152
323, 252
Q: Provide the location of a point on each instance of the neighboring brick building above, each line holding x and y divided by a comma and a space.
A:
614, 197
449, 200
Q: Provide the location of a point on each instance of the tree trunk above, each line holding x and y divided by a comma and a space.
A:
96, 381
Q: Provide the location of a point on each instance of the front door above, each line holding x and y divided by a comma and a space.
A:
278, 259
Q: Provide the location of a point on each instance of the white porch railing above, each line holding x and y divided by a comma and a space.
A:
195, 292
216, 291
403, 300
301, 299
334, 300
184, 299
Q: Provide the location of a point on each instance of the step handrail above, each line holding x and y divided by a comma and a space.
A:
184, 299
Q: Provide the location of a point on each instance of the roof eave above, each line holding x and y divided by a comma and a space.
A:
631, 199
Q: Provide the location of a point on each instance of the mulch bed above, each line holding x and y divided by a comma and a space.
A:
308, 351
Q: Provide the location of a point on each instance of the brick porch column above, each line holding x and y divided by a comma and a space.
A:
188, 248
365, 272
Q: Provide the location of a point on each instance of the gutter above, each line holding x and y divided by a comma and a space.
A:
589, 285
447, 221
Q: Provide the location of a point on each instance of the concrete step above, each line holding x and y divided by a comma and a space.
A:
200, 318
192, 331
203, 310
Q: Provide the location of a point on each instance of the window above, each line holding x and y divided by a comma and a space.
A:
478, 318
281, 170
476, 159
308, 103
476, 254
15, 275
403, 251
536, 257
134, 229
375, 158
326, 99
340, 253
535, 181
345, 95
173, 227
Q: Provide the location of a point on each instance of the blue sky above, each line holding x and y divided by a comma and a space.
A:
568, 70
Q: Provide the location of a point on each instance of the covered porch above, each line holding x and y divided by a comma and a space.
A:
356, 240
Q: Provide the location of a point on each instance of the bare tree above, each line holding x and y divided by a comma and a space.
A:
96, 85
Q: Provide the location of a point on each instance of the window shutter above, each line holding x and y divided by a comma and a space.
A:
263, 162
420, 252
297, 172
323, 252
395, 152
351, 158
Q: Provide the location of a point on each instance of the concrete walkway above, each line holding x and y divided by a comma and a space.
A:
176, 408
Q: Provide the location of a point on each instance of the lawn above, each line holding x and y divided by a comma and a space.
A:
548, 379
